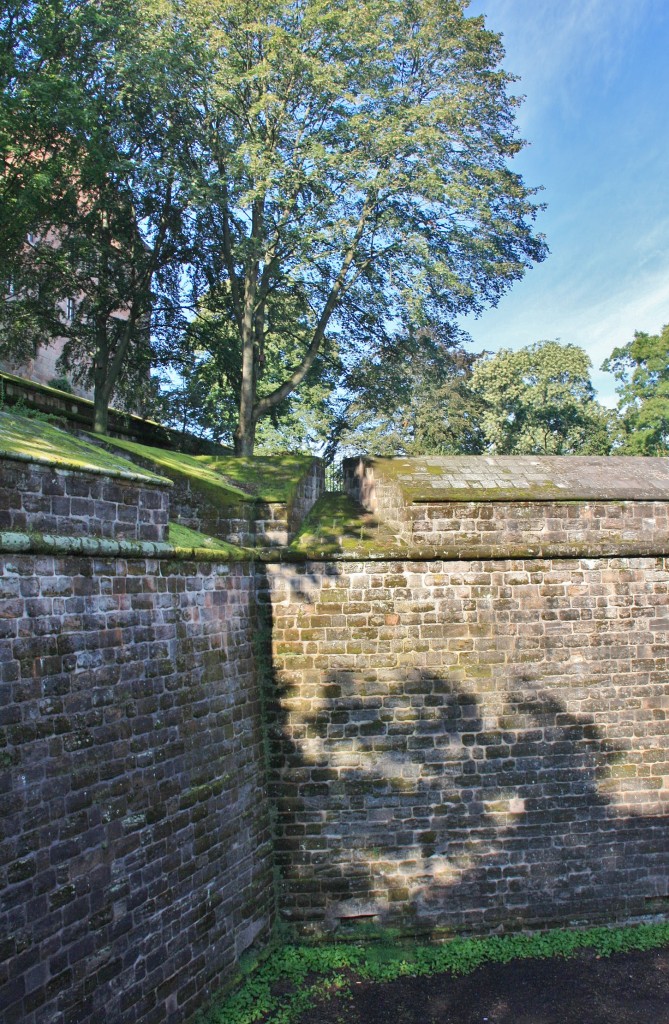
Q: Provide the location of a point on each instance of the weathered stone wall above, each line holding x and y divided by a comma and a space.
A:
472, 745
135, 850
41, 499
246, 523
252, 523
592, 527
309, 490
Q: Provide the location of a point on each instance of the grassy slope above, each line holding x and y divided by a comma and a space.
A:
32, 438
267, 477
186, 539
337, 525
227, 479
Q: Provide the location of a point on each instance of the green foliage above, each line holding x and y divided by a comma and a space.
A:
61, 384
294, 978
642, 370
92, 163
206, 393
316, 173
539, 400
353, 159
411, 396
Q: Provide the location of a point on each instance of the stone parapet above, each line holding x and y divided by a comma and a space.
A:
593, 527
40, 498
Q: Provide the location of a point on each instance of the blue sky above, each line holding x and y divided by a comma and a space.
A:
595, 74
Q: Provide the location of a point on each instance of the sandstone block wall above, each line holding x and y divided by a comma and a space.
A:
252, 523
471, 745
496, 527
135, 848
42, 499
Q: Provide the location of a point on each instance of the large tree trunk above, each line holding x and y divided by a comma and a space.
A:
100, 412
245, 438
246, 428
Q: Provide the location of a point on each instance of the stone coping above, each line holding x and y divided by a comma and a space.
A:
17, 543
526, 477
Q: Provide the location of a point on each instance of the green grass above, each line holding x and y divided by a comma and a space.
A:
226, 479
32, 438
179, 465
337, 525
268, 477
292, 979
183, 538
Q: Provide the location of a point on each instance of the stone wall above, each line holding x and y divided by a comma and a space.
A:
561, 527
37, 498
135, 848
471, 742
471, 745
248, 523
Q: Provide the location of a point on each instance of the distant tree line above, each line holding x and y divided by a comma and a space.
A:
535, 400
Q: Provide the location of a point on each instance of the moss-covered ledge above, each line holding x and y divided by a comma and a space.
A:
16, 543
32, 441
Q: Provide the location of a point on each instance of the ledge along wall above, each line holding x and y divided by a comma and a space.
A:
469, 735
479, 740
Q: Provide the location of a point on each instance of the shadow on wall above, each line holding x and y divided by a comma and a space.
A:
406, 799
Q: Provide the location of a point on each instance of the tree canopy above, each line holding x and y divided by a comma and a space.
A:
356, 153
539, 400
642, 370
347, 161
412, 396
98, 183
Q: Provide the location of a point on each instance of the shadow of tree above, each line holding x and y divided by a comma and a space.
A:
413, 800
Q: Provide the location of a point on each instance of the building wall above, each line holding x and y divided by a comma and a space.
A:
135, 848
471, 745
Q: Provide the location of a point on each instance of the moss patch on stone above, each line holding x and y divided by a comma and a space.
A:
32, 439
336, 525
183, 537
271, 478
178, 465
226, 479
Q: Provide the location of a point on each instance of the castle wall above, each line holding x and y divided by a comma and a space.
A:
135, 848
467, 742
472, 744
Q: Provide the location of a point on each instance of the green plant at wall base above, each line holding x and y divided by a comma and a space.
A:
294, 978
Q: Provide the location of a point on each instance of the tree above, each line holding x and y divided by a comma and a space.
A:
357, 153
412, 397
109, 236
642, 370
206, 392
539, 400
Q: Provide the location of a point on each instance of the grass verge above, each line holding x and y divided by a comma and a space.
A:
277, 989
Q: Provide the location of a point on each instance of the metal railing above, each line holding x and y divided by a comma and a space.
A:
334, 477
